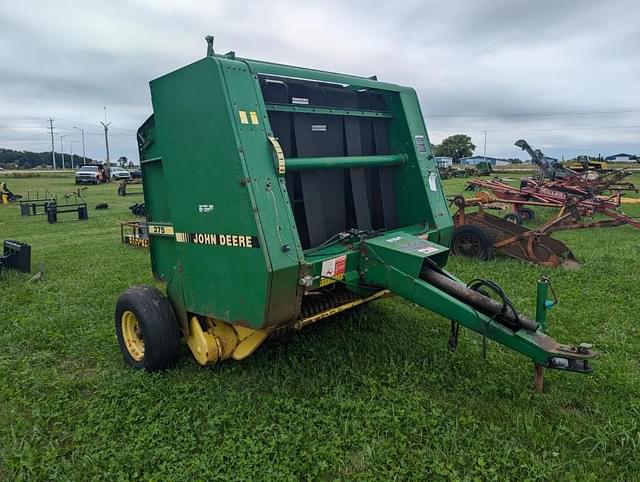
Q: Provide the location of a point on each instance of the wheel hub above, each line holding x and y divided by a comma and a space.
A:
132, 335
468, 245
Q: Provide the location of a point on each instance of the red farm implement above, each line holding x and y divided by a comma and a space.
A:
559, 177
479, 233
576, 209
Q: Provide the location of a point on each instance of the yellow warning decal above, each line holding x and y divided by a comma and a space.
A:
160, 230
134, 241
333, 279
254, 117
279, 154
243, 117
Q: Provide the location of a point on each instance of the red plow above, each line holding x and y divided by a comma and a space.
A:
478, 234
577, 199
577, 206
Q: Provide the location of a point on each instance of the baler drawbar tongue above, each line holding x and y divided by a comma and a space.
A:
402, 263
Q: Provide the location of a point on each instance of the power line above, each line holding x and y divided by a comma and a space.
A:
20, 127
539, 114
537, 128
435, 115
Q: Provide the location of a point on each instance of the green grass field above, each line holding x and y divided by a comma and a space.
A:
372, 395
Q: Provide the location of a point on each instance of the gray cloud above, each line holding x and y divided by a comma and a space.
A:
497, 59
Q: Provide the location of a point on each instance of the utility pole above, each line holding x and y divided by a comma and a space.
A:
485, 146
71, 144
106, 125
84, 155
62, 148
53, 147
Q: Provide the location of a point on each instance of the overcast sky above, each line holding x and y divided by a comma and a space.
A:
563, 74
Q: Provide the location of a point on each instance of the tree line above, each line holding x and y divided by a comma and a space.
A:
28, 160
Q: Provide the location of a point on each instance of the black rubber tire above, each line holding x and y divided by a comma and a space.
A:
158, 326
513, 217
472, 241
527, 214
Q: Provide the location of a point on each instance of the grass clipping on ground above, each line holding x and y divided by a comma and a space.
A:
369, 395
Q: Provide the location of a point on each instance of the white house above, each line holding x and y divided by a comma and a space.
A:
475, 160
442, 161
622, 158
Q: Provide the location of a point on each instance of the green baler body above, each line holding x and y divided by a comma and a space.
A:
270, 187
209, 170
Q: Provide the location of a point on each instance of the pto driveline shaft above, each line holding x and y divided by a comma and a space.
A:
477, 300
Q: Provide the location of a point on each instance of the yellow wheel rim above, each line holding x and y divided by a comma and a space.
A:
132, 335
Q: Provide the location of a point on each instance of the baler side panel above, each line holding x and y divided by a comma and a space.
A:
161, 249
211, 209
272, 209
443, 221
421, 200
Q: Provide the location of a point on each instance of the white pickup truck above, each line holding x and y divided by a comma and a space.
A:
88, 175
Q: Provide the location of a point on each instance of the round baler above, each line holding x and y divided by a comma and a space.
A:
277, 196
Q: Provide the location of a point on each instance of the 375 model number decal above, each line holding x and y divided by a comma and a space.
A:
160, 230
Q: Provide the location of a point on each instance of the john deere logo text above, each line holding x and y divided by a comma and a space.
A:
215, 239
